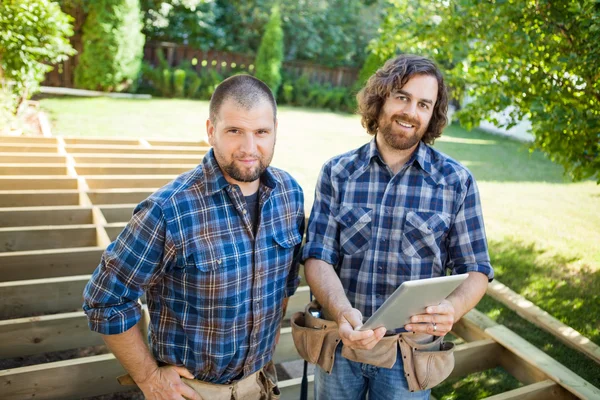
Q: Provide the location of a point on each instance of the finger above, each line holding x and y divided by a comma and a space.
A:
444, 307
182, 371
354, 318
422, 318
357, 336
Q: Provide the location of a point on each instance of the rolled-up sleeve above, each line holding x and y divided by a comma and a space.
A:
322, 235
132, 263
467, 247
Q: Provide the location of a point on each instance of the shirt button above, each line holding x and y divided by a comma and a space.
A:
383, 240
245, 211
219, 261
380, 267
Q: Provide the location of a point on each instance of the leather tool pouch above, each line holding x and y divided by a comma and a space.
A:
427, 360
426, 364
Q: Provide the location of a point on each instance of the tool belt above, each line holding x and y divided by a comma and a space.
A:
261, 385
427, 360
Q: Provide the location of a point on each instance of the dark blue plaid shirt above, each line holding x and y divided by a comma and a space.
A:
214, 289
379, 230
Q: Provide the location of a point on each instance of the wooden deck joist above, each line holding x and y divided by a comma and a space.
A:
132, 169
33, 169
155, 159
37, 182
27, 139
42, 264
117, 212
46, 237
101, 141
32, 158
38, 198
40, 216
27, 148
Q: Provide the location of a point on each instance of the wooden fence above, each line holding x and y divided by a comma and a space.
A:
222, 62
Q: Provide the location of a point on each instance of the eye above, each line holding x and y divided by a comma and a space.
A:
262, 132
402, 97
233, 131
424, 106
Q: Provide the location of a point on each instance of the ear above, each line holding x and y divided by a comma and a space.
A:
210, 132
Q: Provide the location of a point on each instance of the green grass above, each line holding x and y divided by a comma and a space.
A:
543, 231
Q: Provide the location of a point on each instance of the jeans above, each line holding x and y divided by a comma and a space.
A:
350, 380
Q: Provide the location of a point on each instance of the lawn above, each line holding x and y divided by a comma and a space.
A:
543, 231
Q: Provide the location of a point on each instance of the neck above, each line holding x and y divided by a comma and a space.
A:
394, 158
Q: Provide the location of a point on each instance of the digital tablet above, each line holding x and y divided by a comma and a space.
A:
411, 298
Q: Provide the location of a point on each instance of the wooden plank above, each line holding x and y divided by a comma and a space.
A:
132, 169
71, 379
117, 212
37, 216
290, 388
155, 159
534, 358
28, 158
200, 151
101, 141
532, 313
128, 181
38, 198
36, 182
118, 196
42, 237
544, 390
33, 169
22, 298
113, 230
197, 143
475, 356
41, 264
468, 331
27, 148
27, 139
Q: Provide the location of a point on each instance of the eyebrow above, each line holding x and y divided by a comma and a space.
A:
404, 92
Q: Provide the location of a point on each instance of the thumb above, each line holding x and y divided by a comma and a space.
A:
182, 371
354, 318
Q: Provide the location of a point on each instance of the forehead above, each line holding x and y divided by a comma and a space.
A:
421, 87
233, 112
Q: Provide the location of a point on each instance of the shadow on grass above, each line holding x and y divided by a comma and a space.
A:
496, 158
476, 386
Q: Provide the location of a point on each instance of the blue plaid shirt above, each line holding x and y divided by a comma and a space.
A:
379, 229
214, 289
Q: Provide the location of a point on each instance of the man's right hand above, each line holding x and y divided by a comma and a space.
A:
349, 321
165, 383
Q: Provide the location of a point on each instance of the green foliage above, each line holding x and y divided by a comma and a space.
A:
194, 82
300, 92
113, 46
179, 82
270, 53
33, 34
537, 60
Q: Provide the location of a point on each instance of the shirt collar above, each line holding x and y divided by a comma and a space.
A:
420, 156
214, 180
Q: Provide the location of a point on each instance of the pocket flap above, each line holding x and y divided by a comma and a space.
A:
428, 222
287, 238
350, 216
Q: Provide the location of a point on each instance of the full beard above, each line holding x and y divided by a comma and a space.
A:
244, 174
400, 140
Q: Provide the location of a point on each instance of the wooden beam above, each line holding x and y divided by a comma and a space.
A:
27, 139
79, 149
131, 169
540, 318
33, 169
38, 198
36, 182
118, 196
529, 363
187, 143
544, 390
476, 356
43, 237
128, 181
290, 388
155, 159
100, 141
113, 230
28, 158
42, 264
27, 148
117, 212
38, 216
23, 298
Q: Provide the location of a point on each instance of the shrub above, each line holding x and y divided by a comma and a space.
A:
112, 46
179, 82
270, 53
33, 34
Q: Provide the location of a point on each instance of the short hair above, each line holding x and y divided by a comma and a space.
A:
393, 76
246, 90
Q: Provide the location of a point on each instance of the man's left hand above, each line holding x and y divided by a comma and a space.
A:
438, 320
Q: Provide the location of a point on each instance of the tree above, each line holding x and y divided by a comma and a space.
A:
538, 60
113, 46
270, 53
33, 34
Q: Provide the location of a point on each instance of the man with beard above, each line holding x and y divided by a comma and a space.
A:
215, 252
391, 211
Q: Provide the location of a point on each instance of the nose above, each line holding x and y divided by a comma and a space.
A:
411, 109
249, 143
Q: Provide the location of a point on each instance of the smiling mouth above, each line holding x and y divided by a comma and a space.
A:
404, 124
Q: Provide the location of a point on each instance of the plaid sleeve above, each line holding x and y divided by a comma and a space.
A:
322, 235
467, 247
293, 277
129, 265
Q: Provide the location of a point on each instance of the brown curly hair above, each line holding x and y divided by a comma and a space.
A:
393, 76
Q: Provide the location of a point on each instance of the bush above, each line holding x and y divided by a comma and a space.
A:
33, 34
179, 82
270, 53
112, 46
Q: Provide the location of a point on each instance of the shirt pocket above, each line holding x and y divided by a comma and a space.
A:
355, 229
423, 233
287, 238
